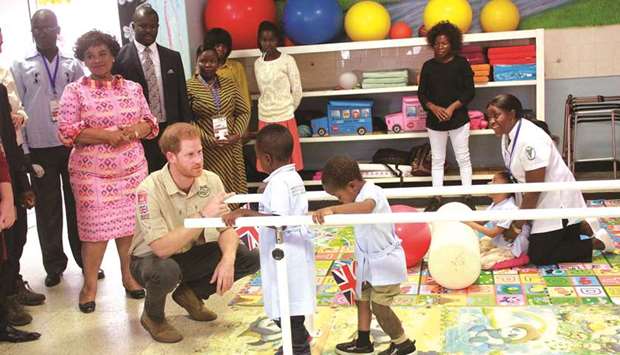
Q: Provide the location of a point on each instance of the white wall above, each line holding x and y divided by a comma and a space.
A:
15, 23
74, 18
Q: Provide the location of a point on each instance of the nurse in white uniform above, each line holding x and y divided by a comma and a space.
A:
531, 156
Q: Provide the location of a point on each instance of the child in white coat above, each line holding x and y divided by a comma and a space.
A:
380, 257
284, 195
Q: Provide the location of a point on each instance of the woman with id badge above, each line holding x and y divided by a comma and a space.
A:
222, 115
531, 156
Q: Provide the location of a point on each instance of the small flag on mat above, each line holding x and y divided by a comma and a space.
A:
249, 236
344, 274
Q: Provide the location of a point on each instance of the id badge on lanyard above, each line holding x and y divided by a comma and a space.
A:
512, 150
54, 106
219, 121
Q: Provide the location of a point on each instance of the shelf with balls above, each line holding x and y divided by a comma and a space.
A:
367, 24
316, 27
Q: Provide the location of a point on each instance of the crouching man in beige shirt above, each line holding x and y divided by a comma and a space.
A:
165, 256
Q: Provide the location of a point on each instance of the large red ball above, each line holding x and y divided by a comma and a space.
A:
416, 237
400, 30
240, 18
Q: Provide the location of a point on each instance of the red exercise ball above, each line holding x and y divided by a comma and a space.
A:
240, 18
400, 30
416, 237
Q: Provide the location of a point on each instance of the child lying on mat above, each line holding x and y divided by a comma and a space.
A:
502, 240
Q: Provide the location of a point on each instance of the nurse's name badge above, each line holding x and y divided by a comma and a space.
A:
530, 152
203, 191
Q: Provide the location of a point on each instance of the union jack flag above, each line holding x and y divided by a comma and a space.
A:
344, 274
249, 236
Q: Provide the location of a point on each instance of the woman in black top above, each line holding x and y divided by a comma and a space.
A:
446, 87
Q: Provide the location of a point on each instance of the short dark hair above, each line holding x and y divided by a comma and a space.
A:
276, 141
216, 36
146, 9
268, 26
453, 33
506, 175
199, 50
340, 171
202, 48
95, 38
507, 102
44, 12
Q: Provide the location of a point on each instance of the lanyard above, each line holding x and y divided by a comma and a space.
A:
51, 78
215, 91
514, 144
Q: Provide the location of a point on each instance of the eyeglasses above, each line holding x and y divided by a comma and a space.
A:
46, 29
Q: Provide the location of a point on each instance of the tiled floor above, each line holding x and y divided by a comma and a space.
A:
114, 328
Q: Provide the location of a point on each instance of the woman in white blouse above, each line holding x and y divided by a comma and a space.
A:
531, 156
279, 84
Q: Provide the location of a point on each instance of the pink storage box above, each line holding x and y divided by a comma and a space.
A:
411, 118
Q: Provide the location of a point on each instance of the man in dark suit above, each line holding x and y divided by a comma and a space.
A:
13, 238
160, 72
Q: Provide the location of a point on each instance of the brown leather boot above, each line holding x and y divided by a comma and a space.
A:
16, 314
25, 294
186, 298
162, 332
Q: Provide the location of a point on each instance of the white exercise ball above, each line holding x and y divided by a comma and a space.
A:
348, 80
454, 255
454, 208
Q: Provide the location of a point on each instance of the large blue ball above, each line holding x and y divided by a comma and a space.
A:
312, 21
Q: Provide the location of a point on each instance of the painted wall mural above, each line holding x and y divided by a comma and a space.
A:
534, 13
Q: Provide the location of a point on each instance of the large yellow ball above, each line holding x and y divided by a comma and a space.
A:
367, 21
499, 15
457, 12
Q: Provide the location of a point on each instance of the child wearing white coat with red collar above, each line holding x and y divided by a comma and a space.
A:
284, 195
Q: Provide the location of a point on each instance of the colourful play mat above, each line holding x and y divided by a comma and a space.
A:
556, 309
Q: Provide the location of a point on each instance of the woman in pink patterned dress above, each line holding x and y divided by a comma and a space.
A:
104, 117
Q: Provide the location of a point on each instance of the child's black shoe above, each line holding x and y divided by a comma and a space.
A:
408, 347
352, 348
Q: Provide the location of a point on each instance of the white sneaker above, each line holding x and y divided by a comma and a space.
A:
604, 237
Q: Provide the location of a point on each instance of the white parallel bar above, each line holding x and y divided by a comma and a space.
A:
427, 191
411, 217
